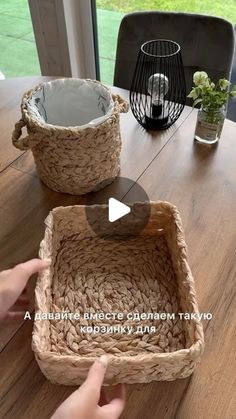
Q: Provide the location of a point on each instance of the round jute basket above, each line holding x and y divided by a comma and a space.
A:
73, 128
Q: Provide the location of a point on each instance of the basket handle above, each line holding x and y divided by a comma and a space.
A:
21, 143
120, 103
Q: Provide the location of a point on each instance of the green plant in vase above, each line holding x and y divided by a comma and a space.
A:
213, 98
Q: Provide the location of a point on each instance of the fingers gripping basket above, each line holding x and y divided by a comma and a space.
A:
148, 273
73, 130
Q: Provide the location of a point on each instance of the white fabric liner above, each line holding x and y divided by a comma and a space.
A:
71, 103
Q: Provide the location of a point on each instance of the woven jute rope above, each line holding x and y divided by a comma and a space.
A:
144, 274
73, 160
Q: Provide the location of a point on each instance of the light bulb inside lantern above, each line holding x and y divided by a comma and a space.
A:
158, 86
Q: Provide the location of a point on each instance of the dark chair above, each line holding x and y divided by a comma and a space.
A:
207, 43
231, 114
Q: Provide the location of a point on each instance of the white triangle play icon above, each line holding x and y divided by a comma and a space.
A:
116, 210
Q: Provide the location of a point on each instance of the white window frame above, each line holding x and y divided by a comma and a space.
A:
66, 37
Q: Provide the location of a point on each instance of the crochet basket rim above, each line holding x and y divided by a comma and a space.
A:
191, 353
34, 122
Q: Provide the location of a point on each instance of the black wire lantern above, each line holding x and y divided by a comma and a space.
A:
158, 88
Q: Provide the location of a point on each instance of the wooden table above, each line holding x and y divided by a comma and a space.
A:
201, 181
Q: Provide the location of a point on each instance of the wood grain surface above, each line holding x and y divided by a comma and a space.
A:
201, 181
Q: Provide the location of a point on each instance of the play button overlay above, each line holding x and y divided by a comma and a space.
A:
119, 210
116, 210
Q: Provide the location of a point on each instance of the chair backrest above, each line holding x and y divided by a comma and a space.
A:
207, 43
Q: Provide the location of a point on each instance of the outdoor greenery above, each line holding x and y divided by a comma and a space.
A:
226, 9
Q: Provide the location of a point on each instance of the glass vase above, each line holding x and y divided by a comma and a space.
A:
209, 125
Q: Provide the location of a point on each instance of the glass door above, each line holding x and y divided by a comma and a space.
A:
110, 13
18, 53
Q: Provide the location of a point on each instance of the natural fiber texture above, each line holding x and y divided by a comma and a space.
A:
73, 160
144, 274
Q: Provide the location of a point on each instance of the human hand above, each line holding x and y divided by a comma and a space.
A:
12, 285
89, 401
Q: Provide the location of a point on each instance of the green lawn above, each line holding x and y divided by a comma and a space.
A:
18, 53
226, 9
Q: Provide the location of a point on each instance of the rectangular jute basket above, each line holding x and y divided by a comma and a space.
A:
148, 273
